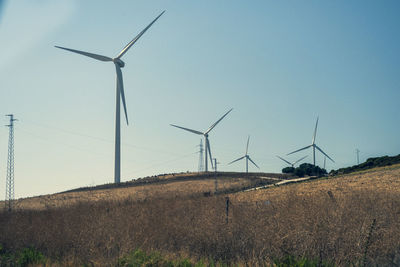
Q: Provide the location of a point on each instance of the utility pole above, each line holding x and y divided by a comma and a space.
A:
216, 163
10, 166
216, 181
201, 165
358, 156
324, 162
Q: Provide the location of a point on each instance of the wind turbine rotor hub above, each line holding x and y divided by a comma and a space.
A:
119, 62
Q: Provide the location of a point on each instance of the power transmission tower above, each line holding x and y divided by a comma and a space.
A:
10, 165
201, 164
358, 156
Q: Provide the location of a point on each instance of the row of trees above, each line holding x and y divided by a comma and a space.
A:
311, 170
369, 164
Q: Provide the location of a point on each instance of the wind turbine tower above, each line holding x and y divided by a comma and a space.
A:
119, 64
10, 165
201, 165
358, 156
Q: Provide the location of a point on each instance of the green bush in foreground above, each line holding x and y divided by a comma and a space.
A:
23, 258
291, 261
140, 258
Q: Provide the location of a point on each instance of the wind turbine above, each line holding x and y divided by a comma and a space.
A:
119, 93
292, 164
358, 156
207, 142
313, 145
246, 156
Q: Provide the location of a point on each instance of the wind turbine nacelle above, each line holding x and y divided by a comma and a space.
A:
119, 62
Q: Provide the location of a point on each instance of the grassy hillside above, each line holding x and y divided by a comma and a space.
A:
345, 220
162, 186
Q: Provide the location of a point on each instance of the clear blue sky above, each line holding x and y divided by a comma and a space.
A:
279, 64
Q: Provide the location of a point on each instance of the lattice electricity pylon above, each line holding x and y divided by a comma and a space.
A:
201, 164
10, 166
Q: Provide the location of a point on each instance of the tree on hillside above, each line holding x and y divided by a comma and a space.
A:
288, 170
305, 169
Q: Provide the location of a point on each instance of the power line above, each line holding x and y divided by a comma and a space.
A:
163, 163
101, 139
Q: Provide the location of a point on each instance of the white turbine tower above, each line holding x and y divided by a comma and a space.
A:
294, 163
207, 142
313, 145
246, 156
119, 93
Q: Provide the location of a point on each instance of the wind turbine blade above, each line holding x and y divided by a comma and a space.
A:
299, 149
236, 160
126, 48
285, 161
315, 131
300, 160
324, 153
95, 56
253, 162
120, 84
209, 152
247, 147
215, 124
190, 130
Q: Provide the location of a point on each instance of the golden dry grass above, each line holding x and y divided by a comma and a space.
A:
347, 220
169, 189
382, 180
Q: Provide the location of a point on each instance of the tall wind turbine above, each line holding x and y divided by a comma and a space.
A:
207, 142
246, 156
313, 145
294, 163
119, 93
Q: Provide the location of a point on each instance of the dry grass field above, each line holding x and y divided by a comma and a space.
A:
378, 180
350, 220
168, 186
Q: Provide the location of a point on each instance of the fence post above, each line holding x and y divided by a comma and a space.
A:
227, 209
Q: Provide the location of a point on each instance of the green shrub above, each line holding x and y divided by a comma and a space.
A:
140, 258
29, 256
291, 261
23, 258
299, 172
288, 170
310, 170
